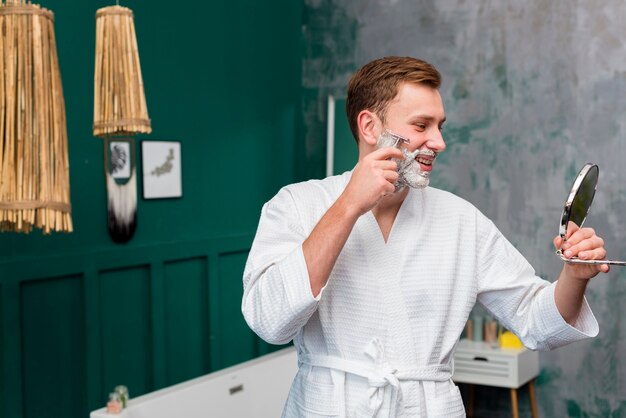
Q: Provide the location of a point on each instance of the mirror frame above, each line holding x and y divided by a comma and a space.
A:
567, 208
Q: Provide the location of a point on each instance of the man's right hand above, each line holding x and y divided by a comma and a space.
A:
372, 179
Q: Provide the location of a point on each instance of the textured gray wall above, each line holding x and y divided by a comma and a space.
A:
532, 90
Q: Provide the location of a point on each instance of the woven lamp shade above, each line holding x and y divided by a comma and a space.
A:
34, 167
119, 98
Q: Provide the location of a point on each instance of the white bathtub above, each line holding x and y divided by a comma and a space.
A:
255, 389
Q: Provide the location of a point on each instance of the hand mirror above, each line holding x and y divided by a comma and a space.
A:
576, 210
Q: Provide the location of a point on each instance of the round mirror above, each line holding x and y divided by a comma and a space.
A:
576, 210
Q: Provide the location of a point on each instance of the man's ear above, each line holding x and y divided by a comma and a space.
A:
370, 127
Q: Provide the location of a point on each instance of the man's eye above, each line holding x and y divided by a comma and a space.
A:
420, 126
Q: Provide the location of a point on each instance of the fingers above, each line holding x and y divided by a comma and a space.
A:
386, 165
584, 244
593, 254
373, 178
391, 176
386, 169
385, 153
571, 229
577, 237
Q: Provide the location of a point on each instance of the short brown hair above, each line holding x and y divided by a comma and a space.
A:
375, 85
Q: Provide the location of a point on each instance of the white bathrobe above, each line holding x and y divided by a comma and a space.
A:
379, 340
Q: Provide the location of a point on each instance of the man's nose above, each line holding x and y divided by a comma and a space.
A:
436, 142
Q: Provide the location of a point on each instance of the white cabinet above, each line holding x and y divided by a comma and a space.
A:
480, 364
477, 363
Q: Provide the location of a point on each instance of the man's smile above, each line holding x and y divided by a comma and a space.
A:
426, 158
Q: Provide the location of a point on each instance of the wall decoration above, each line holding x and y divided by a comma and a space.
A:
162, 169
121, 180
34, 166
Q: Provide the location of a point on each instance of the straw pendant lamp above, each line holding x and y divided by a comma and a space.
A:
119, 110
34, 167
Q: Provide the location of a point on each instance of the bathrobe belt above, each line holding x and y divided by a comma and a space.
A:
384, 381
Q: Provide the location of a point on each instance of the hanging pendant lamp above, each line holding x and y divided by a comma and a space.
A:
34, 167
119, 99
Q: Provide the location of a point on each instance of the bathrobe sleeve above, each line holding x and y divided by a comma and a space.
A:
523, 302
277, 300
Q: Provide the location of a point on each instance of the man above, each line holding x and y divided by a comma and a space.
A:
374, 280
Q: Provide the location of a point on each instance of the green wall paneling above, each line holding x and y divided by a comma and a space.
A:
126, 329
96, 393
135, 316
237, 342
157, 316
12, 348
186, 319
53, 352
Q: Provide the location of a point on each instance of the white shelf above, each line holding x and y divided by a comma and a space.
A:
479, 363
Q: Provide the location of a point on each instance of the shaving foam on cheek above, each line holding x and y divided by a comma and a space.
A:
414, 176
409, 171
386, 140
411, 174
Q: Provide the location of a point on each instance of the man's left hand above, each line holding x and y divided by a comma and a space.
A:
586, 245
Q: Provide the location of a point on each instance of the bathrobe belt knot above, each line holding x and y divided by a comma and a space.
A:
384, 380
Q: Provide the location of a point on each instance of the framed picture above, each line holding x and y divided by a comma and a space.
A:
162, 169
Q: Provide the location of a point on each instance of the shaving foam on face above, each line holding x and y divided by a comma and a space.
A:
409, 171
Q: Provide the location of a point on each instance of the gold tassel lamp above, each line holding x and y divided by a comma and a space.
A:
34, 166
119, 99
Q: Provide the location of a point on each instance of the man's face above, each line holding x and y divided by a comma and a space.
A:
416, 113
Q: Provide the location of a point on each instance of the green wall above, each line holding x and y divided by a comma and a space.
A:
80, 314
